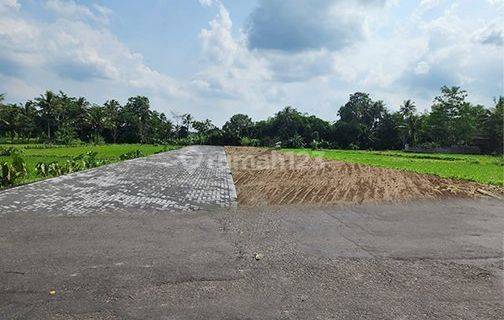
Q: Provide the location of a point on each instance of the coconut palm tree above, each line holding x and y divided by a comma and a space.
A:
410, 120
48, 103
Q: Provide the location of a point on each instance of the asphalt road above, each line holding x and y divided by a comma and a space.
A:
424, 260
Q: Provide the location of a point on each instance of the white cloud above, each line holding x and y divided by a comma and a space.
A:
413, 60
395, 58
492, 34
231, 75
497, 3
206, 3
426, 5
76, 52
218, 43
69, 9
9, 5
422, 68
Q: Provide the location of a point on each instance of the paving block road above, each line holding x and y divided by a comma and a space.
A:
188, 179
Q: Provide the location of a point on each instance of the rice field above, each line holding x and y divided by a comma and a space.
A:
479, 168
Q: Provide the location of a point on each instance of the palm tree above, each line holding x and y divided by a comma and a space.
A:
95, 119
2, 97
187, 120
410, 120
48, 104
111, 120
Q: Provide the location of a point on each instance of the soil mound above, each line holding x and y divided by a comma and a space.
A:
268, 177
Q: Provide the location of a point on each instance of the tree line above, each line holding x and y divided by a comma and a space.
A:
363, 124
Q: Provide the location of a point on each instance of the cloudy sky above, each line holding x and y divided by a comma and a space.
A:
216, 58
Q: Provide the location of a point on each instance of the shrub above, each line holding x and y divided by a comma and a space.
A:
7, 152
353, 146
97, 139
11, 172
324, 144
66, 135
314, 145
81, 162
131, 155
248, 142
267, 142
245, 141
88, 160
42, 169
295, 142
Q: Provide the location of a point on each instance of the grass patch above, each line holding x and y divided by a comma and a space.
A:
479, 168
35, 153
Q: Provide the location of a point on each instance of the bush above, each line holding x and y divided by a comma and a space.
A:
7, 152
295, 142
131, 155
248, 142
429, 145
324, 144
56, 169
11, 172
81, 162
66, 135
314, 145
97, 139
42, 169
88, 160
267, 142
353, 146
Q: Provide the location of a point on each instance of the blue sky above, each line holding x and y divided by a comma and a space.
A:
217, 58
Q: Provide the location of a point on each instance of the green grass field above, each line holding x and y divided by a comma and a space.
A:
484, 169
35, 153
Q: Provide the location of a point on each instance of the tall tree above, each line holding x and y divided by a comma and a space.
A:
203, 127
363, 115
187, 120
238, 127
28, 125
111, 120
388, 133
137, 116
50, 106
494, 128
445, 110
408, 127
96, 120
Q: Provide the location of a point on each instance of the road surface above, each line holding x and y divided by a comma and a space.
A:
189, 179
61, 260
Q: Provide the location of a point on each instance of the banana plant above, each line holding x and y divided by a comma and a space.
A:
42, 169
11, 172
131, 155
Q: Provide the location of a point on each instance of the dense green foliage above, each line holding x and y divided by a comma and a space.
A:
31, 162
363, 124
13, 170
484, 169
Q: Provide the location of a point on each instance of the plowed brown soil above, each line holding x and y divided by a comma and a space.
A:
268, 177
